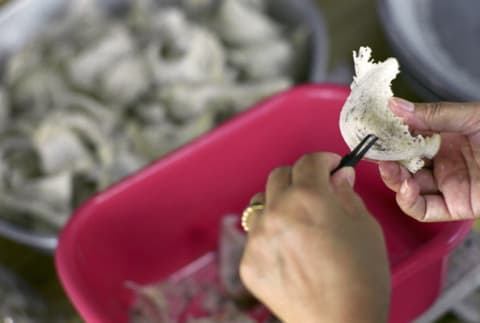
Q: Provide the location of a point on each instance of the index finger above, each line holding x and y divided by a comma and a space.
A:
439, 116
313, 170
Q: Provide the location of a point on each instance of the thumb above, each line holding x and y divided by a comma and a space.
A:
344, 175
343, 182
463, 118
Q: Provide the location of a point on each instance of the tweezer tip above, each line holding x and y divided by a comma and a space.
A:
371, 138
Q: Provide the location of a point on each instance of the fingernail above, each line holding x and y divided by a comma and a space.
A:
388, 169
383, 170
404, 188
401, 104
348, 174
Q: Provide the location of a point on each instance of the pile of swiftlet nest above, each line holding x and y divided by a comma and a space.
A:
99, 94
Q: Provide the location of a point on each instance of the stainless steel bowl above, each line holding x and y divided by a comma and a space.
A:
23, 304
21, 19
437, 44
24, 18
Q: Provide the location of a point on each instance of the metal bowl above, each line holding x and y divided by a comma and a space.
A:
24, 18
437, 45
23, 303
21, 19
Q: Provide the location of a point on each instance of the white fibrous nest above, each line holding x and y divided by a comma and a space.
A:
366, 112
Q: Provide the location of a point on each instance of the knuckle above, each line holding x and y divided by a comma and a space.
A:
311, 160
279, 171
301, 199
304, 162
433, 110
303, 195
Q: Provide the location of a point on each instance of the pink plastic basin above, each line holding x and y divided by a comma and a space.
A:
167, 215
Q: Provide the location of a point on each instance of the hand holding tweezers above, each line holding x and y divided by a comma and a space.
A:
357, 153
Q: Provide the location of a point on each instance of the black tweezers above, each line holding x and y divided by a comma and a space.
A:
357, 153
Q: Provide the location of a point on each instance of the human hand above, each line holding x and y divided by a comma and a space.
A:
315, 254
450, 188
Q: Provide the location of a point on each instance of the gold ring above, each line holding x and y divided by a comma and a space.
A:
248, 212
